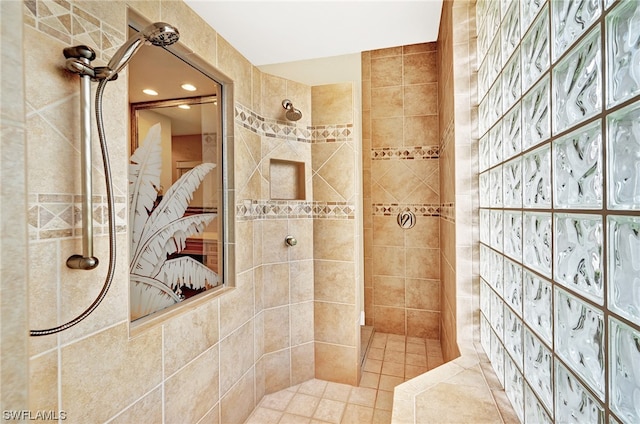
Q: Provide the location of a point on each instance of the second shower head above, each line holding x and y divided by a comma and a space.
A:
292, 113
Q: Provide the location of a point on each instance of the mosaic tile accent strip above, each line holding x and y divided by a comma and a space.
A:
389, 209
249, 210
60, 215
448, 211
286, 130
71, 25
418, 152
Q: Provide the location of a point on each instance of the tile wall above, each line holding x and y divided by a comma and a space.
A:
401, 172
231, 347
560, 206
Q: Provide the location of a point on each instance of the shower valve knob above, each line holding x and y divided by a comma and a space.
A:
290, 241
79, 52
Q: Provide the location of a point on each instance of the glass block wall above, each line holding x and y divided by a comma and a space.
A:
559, 162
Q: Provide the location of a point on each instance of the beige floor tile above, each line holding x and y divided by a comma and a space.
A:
294, 419
337, 391
396, 338
278, 400
384, 400
357, 414
411, 371
369, 379
398, 346
375, 353
392, 368
372, 365
313, 387
304, 405
415, 359
381, 416
378, 343
394, 356
415, 340
329, 411
434, 361
363, 396
417, 349
264, 416
389, 382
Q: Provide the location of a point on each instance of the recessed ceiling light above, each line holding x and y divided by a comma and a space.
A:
150, 92
188, 87
184, 107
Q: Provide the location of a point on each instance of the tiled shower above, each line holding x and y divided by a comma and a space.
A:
559, 109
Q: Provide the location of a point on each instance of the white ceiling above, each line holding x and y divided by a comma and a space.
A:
270, 32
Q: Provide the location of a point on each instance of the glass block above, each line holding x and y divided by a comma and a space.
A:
579, 254
495, 102
574, 404
577, 84
497, 272
495, 144
536, 125
510, 30
497, 357
512, 183
513, 336
538, 362
485, 262
623, 41
483, 152
485, 228
608, 3
513, 285
492, 19
528, 12
485, 335
511, 85
485, 299
624, 368
624, 266
570, 20
511, 133
484, 81
535, 50
514, 386
495, 181
537, 305
496, 230
484, 190
537, 242
577, 168
533, 409
536, 178
497, 314
483, 115
495, 60
579, 339
623, 158
513, 234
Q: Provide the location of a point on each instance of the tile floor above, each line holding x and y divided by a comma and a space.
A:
391, 360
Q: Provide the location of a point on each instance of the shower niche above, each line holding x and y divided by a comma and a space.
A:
287, 180
177, 185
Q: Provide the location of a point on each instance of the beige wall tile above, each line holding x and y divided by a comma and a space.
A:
423, 263
387, 102
389, 291
237, 306
276, 329
273, 234
237, 405
275, 285
420, 48
387, 232
389, 320
421, 130
336, 363
302, 324
420, 68
332, 104
277, 370
147, 409
302, 230
332, 323
334, 281
423, 324
236, 356
423, 294
109, 354
43, 379
421, 99
391, 51
386, 71
388, 261
334, 239
302, 363
301, 280
234, 65
426, 233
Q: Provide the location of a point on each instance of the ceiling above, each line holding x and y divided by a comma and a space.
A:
269, 32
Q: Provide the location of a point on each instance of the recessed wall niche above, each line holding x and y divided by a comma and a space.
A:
287, 180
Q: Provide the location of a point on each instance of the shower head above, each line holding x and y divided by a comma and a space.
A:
292, 113
158, 34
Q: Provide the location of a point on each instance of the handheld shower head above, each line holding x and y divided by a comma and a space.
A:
292, 113
158, 34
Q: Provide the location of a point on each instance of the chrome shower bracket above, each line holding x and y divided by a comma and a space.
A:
79, 61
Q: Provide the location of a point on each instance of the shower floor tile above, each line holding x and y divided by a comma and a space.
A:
391, 360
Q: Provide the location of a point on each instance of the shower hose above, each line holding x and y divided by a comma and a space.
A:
111, 219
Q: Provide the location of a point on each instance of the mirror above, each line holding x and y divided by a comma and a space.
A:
176, 184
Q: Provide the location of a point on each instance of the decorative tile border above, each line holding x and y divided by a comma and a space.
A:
289, 131
53, 215
448, 212
71, 25
249, 210
418, 152
390, 209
